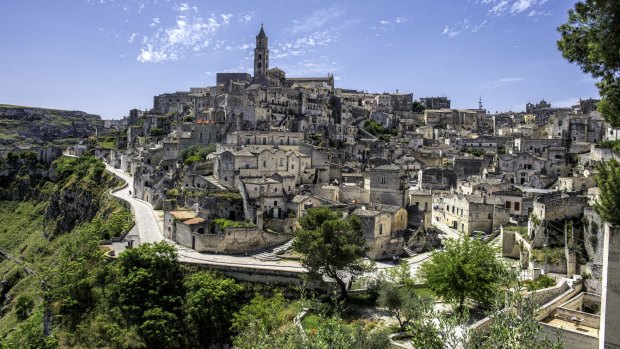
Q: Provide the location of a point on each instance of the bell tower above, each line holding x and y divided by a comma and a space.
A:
261, 54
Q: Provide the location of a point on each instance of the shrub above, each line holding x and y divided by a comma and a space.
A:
23, 306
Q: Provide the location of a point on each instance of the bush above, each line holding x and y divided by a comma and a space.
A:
543, 281
196, 153
156, 132
23, 306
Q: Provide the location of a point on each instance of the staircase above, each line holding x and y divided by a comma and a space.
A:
271, 255
214, 182
409, 252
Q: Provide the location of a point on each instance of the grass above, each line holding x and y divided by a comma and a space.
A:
20, 219
518, 229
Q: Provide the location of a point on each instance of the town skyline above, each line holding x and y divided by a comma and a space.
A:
105, 58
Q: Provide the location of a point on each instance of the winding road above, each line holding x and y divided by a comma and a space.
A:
149, 227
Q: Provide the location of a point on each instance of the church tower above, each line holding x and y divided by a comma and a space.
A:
261, 55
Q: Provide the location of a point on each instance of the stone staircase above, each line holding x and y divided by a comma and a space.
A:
214, 182
409, 252
271, 255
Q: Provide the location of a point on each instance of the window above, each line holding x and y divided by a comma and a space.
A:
508, 203
275, 203
490, 216
380, 229
382, 180
517, 206
264, 163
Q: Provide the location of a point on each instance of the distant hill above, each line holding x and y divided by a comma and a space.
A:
40, 126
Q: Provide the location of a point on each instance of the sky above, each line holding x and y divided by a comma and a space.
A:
109, 56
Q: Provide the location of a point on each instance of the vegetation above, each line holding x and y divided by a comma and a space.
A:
553, 254
376, 129
224, 223
417, 107
466, 269
268, 323
403, 303
543, 281
196, 153
331, 246
608, 181
615, 145
474, 151
590, 38
157, 132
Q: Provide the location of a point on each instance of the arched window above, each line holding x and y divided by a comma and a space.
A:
259, 64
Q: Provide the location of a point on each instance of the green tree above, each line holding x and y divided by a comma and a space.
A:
591, 38
402, 303
331, 246
608, 181
210, 303
417, 107
196, 153
267, 323
149, 292
513, 326
466, 268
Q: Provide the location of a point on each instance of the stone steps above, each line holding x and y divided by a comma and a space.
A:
272, 254
409, 252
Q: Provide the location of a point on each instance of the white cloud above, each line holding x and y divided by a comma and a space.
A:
499, 8
190, 33
456, 29
301, 45
155, 22
132, 37
226, 17
521, 5
513, 7
316, 20
182, 7
246, 18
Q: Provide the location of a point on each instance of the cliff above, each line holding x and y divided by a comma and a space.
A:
39, 126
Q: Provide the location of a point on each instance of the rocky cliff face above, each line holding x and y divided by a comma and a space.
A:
74, 188
43, 126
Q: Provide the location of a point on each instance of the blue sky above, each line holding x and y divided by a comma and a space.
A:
109, 56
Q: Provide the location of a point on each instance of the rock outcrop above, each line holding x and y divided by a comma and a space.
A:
40, 126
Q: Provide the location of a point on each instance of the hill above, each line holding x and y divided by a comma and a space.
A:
40, 126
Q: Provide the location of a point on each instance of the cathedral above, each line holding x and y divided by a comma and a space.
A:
275, 76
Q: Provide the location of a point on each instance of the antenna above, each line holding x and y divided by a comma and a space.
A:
480, 103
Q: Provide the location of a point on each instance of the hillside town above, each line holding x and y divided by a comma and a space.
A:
234, 166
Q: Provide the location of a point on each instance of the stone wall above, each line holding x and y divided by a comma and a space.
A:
238, 240
611, 288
